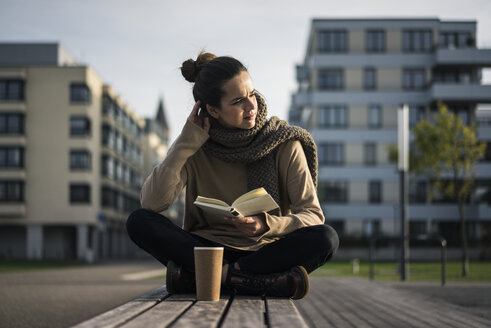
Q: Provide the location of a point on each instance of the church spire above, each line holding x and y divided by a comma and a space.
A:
160, 117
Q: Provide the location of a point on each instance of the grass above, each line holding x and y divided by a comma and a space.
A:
21, 265
418, 271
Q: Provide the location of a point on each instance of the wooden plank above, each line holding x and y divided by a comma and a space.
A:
126, 311
157, 294
283, 313
163, 313
245, 312
118, 315
203, 314
332, 311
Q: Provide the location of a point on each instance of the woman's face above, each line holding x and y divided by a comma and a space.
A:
238, 106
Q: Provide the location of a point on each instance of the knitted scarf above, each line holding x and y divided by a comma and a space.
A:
256, 147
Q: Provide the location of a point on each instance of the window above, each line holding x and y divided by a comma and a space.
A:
11, 123
416, 114
11, 157
332, 116
11, 89
331, 79
417, 227
136, 179
117, 141
371, 227
462, 113
333, 191
294, 116
374, 116
487, 153
417, 192
79, 93
375, 191
453, 76
417, 41
456, 40
413, 79
80, 160
79, 126
332, 41
11, 191
331, 154
108, 198
107, 166
117, 170
79, 193
107, 135
375, 41
108, 105
370, 78
370, 153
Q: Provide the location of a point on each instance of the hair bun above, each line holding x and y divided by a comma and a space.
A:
191, 68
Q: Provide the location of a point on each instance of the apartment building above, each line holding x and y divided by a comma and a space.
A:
355, 75
71, 158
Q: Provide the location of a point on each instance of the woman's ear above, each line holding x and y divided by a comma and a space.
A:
213, 111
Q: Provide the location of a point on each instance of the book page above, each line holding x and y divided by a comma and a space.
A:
208, 200
258, 205
250, 195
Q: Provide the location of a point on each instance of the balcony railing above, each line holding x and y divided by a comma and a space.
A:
463, 56
460, 92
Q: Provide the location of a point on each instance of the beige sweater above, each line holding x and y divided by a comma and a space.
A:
187, 165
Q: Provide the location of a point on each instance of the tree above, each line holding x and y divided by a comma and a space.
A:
446, 151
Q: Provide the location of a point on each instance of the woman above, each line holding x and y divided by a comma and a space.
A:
226, 148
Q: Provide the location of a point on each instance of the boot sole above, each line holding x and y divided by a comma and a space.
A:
301, 293
168, 277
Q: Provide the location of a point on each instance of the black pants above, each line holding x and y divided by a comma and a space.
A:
310, 247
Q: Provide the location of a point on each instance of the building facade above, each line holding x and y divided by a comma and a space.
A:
71, 158
355, 75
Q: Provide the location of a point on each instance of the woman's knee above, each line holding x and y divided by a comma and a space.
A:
137, 220
328, 238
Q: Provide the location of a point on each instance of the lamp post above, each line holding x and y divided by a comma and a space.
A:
403, 165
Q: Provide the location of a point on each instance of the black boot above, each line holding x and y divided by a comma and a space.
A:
293, 283
178, 280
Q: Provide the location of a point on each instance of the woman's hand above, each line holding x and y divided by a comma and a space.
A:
199, 119
250, 225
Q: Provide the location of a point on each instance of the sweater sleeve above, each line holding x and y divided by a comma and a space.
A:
163, 185
304, 205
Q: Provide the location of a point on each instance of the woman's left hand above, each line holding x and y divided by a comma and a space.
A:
250, 225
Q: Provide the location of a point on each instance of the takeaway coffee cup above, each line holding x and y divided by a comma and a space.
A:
208, 268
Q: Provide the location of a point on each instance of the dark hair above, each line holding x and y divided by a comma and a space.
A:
209, 73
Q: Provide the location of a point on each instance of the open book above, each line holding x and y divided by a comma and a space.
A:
253, 202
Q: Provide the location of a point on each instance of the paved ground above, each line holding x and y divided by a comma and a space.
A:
61, 298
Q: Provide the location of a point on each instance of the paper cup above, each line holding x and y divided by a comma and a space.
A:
208, 268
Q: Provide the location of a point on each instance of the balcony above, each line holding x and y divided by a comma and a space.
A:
357, 172
460, 92
302, 73
307, 98
483, 170
463, 56
390, 211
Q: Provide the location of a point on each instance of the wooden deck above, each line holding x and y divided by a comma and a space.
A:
332, 302
352, 302
159, 309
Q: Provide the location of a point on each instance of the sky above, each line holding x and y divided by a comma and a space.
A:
137, 47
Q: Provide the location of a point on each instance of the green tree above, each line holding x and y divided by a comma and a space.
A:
446, 152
